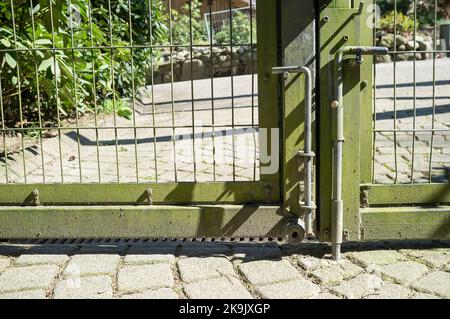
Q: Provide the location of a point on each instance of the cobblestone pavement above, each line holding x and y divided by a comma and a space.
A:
128, 155
406, 156
164, 270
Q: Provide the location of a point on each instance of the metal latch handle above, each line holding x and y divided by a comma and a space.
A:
308, 206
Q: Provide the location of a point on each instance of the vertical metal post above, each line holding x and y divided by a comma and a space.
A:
337, 106
307, 152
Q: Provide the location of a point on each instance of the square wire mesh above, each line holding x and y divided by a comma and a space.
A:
411, 118
105, 91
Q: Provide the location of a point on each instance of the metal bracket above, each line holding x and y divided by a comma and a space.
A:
307, 154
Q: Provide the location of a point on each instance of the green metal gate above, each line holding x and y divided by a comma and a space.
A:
164, 188
394, 171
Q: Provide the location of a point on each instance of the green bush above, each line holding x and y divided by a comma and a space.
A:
404, 23
181, 24
243, 30
425, 9
40, 71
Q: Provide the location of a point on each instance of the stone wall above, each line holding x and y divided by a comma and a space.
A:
423, 44
221, 61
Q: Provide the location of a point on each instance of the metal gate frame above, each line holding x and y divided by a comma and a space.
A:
371, 211
261, 209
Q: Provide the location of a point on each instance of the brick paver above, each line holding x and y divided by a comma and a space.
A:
82, 265
92, 287
436, 283
26, 278
195, 269
139, 278
187, 270
218, 288
264, 272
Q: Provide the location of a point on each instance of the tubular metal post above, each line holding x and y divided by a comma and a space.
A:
337, 226
307, 152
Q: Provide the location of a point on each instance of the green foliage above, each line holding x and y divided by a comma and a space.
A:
120, 106
243, 30
41, 71
181, 24
425, 9
404, 23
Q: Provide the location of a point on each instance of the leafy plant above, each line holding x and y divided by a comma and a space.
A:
243, 30
404, 23
425, 9
186, 22
56, 57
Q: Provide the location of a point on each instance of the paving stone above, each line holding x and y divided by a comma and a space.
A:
336, 271
295, 289
310, 263
437, 282
359, 286
435, 258
328, 275
148, 259
30, 260
4, 263
349, 269
378, 257
82, 265
195, 268
218, 288
264, 272
91, 287
390, 291
138, 278
162, 293
26, 294
404, 272
31, 277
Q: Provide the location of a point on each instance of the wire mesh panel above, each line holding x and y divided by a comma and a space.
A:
411, 127
126, 91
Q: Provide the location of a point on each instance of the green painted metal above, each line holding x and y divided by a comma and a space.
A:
268, 109
143, 222
341, 27
297, 49
162, 193
266, 190
405, 223
402, 194
387, 217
